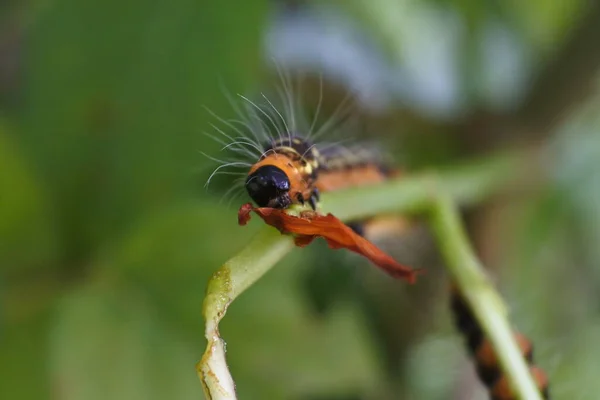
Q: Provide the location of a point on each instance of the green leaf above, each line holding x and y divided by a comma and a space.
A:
23, 357
110, 343
27, 236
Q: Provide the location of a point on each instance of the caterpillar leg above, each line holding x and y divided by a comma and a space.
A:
314, 198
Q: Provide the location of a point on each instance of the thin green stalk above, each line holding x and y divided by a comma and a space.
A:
489, 309
416, 193
227, 283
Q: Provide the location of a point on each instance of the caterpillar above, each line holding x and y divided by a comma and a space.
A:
290, 168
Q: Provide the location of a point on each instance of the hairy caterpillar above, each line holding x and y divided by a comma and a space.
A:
289, 167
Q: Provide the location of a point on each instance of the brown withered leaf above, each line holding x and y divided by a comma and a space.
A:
310, 225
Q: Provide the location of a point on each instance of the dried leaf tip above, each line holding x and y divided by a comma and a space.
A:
310, 225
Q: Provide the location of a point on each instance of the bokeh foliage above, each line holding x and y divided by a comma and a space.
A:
107, 237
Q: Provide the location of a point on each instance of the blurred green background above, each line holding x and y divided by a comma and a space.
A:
107, 236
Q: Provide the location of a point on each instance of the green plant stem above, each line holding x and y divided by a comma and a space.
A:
466, 184
489, 309
416, 193
227, 283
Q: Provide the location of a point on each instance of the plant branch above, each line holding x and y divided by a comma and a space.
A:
227, 283
411, 194
467, 184
489, 309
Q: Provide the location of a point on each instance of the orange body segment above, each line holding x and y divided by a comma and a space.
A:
349, 177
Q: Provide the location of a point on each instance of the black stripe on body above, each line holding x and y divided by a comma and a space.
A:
339, 157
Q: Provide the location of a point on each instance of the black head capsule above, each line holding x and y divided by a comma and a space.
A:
269, 186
